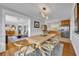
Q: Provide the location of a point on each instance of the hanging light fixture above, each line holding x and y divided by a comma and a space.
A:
44, 10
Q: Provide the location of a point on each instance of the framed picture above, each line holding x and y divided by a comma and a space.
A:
36, 24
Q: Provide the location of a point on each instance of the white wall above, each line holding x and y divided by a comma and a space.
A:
52, 25
74, 36
32, 30
35, 31
2, 31
13, 20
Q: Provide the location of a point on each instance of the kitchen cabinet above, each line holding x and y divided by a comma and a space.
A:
65, 28
65, 22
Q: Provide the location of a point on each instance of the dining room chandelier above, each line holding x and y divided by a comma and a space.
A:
44, 11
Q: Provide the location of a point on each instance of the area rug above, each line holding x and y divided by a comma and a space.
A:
59, 50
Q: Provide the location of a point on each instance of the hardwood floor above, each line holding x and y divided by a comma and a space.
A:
11, 48
67, 50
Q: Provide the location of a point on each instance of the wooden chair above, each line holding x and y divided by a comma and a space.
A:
26, 50
46, 49
53, 43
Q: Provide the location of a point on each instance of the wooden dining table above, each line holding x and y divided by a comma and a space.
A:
38, 39
35, 41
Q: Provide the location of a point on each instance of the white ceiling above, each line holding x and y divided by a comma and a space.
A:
57, 10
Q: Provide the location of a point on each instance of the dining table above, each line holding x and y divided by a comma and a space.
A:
35, 41
38, 39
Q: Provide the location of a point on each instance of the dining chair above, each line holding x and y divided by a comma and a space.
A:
21, 51
46, 49
25, 50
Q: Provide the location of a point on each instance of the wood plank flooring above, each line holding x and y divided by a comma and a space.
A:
68, 49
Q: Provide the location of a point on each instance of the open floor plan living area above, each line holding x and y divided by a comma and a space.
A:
39, 29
